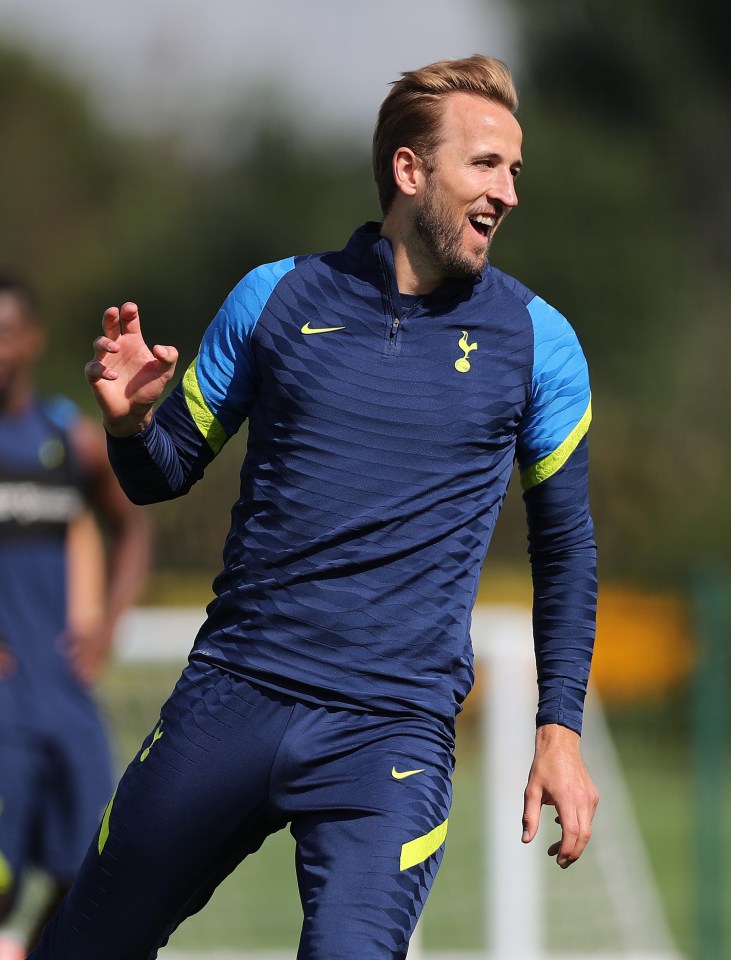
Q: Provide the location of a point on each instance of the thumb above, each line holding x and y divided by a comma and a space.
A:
531, 815
165, 354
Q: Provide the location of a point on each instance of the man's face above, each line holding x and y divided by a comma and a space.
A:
470, 187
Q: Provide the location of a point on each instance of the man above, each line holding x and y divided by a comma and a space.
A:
56, 621
388, 388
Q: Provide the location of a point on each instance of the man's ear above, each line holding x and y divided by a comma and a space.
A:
408, 171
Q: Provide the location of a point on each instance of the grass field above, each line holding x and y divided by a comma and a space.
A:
257, 907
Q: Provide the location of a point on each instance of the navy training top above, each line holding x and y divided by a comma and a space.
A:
382, 436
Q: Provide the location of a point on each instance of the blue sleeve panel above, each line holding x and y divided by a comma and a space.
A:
207, 407
221, 382
559, 413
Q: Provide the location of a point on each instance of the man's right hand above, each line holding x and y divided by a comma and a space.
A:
126, 377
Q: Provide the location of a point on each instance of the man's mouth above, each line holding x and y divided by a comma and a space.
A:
483, 224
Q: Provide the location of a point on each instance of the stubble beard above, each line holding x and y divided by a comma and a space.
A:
441, 240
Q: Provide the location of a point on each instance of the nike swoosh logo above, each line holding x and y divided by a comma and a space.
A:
308, 329
403, 774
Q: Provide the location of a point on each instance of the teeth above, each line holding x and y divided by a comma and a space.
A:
485, 221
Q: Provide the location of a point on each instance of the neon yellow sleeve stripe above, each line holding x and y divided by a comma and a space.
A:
545, 468
104, 829
201, 413
416, 851
6, 875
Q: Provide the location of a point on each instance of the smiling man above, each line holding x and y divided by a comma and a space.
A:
454, 193
389, 387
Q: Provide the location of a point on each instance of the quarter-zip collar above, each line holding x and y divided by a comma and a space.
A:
369, 257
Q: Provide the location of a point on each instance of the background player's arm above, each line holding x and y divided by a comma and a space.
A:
86, 570
109, 557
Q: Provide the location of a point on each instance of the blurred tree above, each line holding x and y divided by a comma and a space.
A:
661, 69
267, 198
94, 219
623, 225
74, 198
55, 164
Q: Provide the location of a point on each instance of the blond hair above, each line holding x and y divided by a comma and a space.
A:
410, 116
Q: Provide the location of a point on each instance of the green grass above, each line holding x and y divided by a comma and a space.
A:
662, 797
258, 906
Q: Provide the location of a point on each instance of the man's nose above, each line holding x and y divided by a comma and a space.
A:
503, 189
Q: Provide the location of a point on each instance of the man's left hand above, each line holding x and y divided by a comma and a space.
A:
559, 778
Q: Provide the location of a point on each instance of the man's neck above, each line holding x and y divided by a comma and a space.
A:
412, 274
15, 399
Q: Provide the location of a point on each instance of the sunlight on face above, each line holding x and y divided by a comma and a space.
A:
441, 235
470, 187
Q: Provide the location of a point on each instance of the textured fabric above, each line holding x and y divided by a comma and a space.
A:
192, 805
565, 589
382, 436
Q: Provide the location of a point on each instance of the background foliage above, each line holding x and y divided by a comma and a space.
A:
623, 225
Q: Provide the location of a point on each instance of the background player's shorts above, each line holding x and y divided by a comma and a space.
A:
366, 796
53, 789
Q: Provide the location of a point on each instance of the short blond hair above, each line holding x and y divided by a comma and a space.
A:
410, 116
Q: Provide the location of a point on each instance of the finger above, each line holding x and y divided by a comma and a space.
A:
569, 839
129, 318
581, 834
574, 838
111, 322
531, 814
95, 370
104, 345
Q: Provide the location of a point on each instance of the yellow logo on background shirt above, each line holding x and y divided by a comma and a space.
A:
51, 453
463, 364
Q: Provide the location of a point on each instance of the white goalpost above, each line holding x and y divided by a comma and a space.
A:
605, 908
523, 885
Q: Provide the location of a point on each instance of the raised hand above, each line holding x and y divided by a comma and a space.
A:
126, 377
